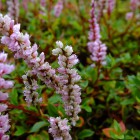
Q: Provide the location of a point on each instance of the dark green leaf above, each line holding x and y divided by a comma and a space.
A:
85, 133
37, 126
13, 96
52, 110
20, 131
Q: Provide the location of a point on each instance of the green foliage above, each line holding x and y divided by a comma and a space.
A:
85, 133
37, 126
133, 85
52, 110
20, 131
14, 97
41, 136
110, 107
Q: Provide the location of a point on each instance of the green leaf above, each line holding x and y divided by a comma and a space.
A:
13, 96
20, 131
116, 126
37, 126
116, 136
136, 133
87, 108
128, 102
34, 137
84, 84
54, 99
110, 61
44, 135
85, 133
52, 110
90, 73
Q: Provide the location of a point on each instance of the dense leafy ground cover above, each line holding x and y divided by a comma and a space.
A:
110, 107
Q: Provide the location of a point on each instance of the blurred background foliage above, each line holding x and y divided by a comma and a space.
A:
110, 103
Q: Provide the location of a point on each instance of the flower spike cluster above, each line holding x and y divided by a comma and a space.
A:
58, 8
134, 4
100, 4
20, 44
63, 80
43, 3
4, 84
13, 9
68, 78
94, 33
59, 128
30, 90
95, 46
111, 5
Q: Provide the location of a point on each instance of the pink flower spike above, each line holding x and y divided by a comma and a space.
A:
59, 128
95, 46
58, 8
3, 57
3, 107
3, 96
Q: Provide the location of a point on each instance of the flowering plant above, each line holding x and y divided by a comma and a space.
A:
89, 90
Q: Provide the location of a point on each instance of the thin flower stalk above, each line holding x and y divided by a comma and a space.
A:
101, 9
94, 33
0, 4
110, 6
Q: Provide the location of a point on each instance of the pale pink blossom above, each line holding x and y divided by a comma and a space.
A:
95, 46
13, 9
129, 16
134, 4
30, 90
94, 33
4, 84
3, 96
3, 57
58, 8
111, 5
43, 3
68, 77
3, 107
59, 128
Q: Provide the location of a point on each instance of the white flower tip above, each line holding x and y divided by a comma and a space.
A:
24, 77
56, 51
68, 50
59, 44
